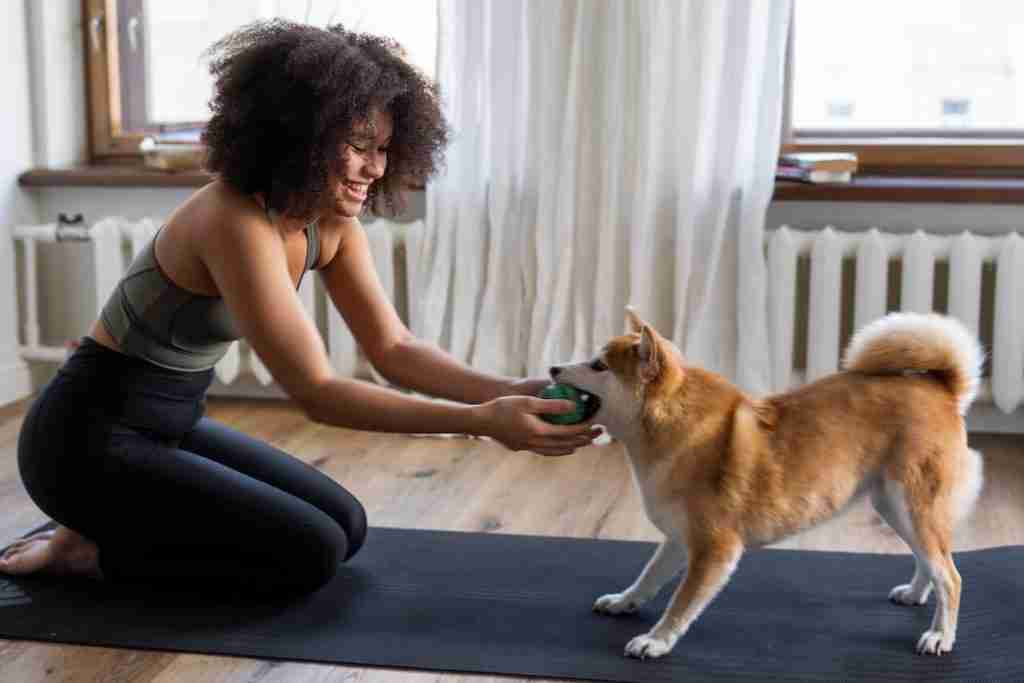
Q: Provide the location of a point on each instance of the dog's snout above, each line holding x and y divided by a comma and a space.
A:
555, 370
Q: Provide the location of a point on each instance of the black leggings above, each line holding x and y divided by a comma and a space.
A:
117, 449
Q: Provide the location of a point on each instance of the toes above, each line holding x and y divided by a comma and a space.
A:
645, 646
12, 550
934, 643
49, 553
14, 547
615, 603
903, 595
27, 559
22, 542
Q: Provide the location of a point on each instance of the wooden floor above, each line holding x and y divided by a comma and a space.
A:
455, 484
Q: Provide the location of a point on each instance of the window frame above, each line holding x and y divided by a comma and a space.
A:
903, 152
108, 141
890, 152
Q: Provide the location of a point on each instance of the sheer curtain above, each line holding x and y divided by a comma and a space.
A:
604, 153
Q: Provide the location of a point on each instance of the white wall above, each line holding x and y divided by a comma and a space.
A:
16, 205
56, 67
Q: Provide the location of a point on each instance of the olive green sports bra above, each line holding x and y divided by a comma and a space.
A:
153, 318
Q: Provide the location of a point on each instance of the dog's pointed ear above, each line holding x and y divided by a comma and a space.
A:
633, 321
651, 359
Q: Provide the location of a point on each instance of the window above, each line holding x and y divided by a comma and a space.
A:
955, 107
148, 76
840, 109
935, 84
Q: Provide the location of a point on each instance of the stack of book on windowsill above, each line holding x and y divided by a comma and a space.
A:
817, 167
173, 150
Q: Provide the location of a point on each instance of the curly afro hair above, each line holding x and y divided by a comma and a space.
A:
286, 99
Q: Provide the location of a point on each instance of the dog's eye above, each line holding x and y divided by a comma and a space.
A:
597, 365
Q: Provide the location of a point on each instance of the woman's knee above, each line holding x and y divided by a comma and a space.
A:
346, 510
317, 550
355, 526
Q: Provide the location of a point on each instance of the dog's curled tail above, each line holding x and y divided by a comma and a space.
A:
920, 342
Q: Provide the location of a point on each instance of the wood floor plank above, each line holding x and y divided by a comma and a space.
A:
459, 484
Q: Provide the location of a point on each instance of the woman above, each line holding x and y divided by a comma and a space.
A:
309, 128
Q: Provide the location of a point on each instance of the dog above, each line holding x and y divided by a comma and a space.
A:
720, 471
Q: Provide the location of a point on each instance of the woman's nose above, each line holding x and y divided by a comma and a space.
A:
375, 165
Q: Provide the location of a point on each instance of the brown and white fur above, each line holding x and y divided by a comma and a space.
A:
721, 471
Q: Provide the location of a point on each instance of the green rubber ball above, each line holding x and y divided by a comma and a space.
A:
586, 404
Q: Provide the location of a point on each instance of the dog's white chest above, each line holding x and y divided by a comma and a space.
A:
668, 516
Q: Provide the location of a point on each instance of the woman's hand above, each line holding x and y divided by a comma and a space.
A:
513, 421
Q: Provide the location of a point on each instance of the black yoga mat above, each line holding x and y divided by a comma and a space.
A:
507, 604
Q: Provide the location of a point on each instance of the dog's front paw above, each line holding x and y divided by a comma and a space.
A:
905, 595
648, 646
616, 603
935, 643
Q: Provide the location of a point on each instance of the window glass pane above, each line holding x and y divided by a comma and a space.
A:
172, 34
931, 65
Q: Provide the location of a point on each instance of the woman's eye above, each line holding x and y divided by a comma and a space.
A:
597, 365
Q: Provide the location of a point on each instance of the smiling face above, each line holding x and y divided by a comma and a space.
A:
365, 157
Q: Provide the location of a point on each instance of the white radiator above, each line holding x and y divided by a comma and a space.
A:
873, 253
116, 241
964, 257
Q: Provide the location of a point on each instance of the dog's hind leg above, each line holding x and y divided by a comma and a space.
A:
920, 587
668, 560
923, 516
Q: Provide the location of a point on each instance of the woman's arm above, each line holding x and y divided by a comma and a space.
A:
423, 367
247, 260
351, 281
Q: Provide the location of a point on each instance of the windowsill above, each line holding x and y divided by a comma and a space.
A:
864, 188
893, 188
118, 175
125, 175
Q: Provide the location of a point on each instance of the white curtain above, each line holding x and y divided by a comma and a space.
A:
604, 153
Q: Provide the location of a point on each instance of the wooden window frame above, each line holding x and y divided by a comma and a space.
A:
880, 153
991, 154
108, 141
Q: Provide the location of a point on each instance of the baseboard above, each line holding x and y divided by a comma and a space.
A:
15, 382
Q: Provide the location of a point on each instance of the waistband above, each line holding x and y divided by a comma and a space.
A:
121, 371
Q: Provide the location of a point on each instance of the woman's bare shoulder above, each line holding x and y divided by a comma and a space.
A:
218, 203
211, 212
335, 235
215, 219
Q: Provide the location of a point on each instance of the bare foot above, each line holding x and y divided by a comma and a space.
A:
59, 551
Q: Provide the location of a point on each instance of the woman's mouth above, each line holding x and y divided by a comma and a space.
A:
355, 191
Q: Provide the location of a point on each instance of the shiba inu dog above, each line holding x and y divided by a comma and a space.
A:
721, 471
